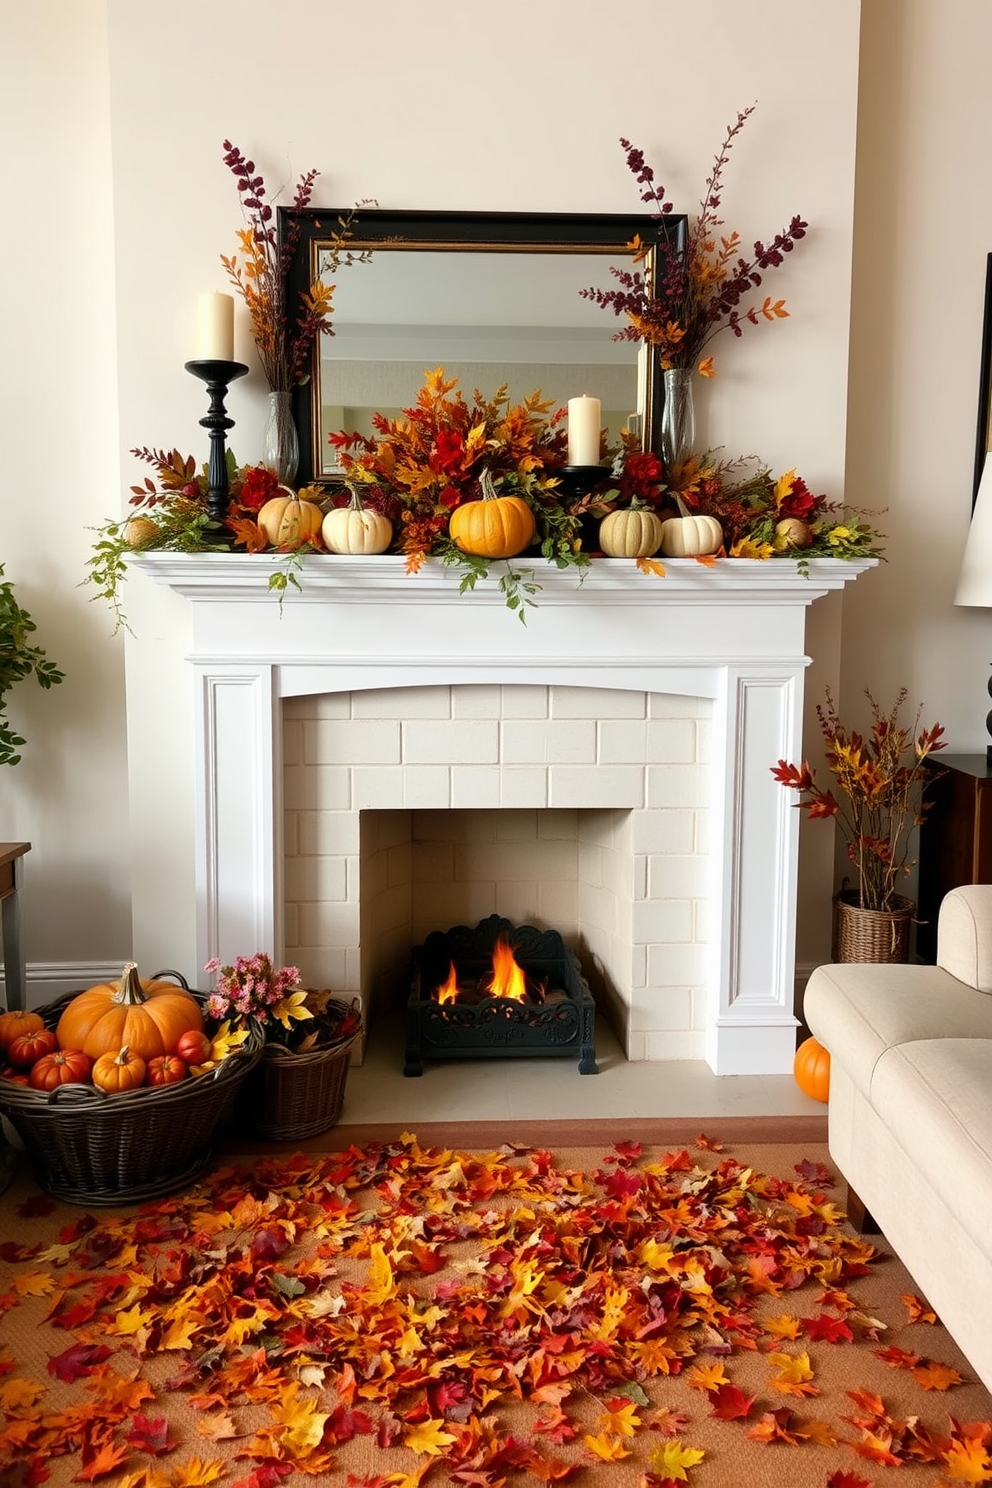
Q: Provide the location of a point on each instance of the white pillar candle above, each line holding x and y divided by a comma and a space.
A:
584, 418
215, 327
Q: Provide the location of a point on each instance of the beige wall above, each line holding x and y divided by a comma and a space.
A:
113, 117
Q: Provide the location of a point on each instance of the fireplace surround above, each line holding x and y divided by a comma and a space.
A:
731, 633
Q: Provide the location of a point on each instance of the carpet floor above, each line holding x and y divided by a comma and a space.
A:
645, 1302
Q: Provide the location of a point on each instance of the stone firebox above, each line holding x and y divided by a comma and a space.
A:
366, 760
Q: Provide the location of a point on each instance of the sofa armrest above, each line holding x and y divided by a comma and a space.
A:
964, 935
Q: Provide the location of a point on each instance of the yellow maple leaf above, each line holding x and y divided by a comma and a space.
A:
708, 1377
34, 1284
620, 1417
381, 1284
291, 1009
226, 1039
671, 1460
706, 367
968, 1462
615, 1301
794, 1374
18, 1394
783, 1326
197, 1474
651, 566
654, 1255
744, 547
429, 1436
131, 1320
606, 1447
179, 1334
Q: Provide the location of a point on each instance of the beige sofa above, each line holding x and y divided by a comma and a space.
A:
910, 1109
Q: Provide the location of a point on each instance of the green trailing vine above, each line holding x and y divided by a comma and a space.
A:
18, 659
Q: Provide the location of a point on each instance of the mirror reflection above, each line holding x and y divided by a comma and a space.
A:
487, 319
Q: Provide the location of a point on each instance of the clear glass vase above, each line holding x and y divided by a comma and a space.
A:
280, 442
678, 417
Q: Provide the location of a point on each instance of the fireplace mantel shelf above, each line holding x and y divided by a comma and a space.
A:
615, 581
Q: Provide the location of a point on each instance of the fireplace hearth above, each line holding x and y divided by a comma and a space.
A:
497, 990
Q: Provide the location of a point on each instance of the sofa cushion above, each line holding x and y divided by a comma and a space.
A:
964, 935
933, 1096
862, 1010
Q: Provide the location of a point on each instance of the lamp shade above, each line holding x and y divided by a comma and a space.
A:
975, 579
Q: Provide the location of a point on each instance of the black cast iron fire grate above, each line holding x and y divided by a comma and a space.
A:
452, 1012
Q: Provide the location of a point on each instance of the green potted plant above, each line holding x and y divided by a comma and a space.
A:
882, 779
18, 659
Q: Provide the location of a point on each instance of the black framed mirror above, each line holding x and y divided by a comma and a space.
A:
493, 297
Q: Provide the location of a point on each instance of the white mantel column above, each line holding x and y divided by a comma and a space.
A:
750, 1025
239, 860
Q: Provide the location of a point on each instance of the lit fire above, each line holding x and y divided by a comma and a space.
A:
449, 991
508, 979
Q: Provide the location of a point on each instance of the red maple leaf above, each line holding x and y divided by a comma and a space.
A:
267, 1476
150, 1436
830, 1329
625, 1152
898, 1358
847, 1480
814, 1172
730, 1403
80, 1359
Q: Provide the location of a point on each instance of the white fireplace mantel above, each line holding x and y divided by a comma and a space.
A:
733, 632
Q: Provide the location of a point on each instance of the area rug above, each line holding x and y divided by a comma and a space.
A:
401, 1313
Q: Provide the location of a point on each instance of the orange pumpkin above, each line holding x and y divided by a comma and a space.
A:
493, 527
147, 1017
287, 521
812, 1070
117, 1072
29, 1047
166, 1069
62, 1067
12, 1025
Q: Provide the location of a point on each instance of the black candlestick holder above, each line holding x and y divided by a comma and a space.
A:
218, 375
578, 481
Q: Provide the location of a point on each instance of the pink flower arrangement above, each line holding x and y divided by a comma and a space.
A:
253, 988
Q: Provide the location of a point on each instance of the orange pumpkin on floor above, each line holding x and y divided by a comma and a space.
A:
812, 1070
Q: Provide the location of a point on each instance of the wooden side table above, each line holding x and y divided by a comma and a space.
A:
11, 854
955, 838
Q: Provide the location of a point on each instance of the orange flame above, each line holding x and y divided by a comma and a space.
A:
449, 991
508, 979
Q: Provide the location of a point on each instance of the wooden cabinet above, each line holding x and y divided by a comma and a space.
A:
955, 839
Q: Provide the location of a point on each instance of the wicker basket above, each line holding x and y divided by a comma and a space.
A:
288, 1097
97, 1149
877, 935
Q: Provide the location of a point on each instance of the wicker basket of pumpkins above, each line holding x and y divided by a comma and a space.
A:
116, 1092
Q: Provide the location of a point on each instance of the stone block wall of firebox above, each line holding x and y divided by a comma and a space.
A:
578, 809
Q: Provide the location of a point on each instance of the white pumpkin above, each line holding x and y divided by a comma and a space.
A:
690, 534
634, 532
356, 529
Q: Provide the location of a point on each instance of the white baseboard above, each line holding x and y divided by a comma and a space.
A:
48, 980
